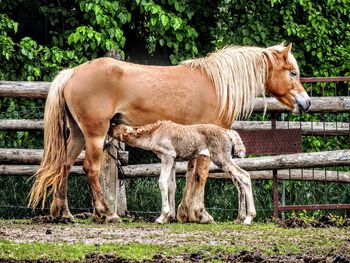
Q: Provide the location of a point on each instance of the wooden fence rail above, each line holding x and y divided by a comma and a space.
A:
34, 156
285, 174
28, 89
256, 165
285, 161
307, 128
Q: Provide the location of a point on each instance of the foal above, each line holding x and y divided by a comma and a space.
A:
170, 141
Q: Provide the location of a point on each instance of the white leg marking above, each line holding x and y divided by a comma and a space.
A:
172, 191
205, 152
167, 164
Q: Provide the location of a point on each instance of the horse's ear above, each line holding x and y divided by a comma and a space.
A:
286, 50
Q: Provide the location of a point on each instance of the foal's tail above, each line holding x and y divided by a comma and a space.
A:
52, 167
238, 145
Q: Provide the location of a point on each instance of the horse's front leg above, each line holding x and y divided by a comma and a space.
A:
192, 208
164, 178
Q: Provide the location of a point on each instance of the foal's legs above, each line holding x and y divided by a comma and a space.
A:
91, 166
243, 180
172, 191
242, 210
59, 206
164, 179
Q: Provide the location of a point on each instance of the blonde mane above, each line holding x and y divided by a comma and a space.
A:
239, 76
146, 129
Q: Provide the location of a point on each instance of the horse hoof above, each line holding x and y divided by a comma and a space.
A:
206, 218
65, 219
113, 219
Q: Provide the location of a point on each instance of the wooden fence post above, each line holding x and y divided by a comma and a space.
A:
113, 187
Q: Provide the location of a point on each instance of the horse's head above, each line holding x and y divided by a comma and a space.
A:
283, 81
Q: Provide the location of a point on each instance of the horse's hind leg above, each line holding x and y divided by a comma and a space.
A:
192, 207
182, 212
59, 206
91, 166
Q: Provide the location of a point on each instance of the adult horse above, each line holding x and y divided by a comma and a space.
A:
218, 89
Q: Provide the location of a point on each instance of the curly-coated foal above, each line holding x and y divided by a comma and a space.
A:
170, 141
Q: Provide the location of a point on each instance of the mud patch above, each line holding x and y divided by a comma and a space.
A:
321, 222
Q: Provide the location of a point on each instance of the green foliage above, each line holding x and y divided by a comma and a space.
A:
170, 28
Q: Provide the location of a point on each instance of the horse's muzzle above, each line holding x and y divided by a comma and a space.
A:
302, 103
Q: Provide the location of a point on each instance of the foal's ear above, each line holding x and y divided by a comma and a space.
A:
286, 50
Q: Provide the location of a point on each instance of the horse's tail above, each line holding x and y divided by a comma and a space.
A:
52, 167
238, 145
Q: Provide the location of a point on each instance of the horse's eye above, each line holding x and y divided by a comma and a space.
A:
293, 73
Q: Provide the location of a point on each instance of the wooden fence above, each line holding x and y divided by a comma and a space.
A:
20, 162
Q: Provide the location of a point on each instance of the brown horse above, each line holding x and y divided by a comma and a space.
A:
215, 89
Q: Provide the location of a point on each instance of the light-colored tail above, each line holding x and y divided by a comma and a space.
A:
238, 145
52, 168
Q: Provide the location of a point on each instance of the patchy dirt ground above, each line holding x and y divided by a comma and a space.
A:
284, 245
243, 256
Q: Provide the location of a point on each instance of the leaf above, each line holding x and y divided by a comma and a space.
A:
161, 42
165, 20
177, 6
177, 23
179, 37
194, 50
246, 41
154, 21
98, 39
71, 38
119, 34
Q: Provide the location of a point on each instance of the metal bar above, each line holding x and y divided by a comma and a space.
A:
275, 177
323, 79
275, 196
314, 207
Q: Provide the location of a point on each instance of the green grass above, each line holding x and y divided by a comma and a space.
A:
65, 251
227, 237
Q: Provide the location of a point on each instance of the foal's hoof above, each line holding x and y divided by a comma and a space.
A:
239, 220
248, 221
159, 221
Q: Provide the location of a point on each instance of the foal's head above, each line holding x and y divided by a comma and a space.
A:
121, 132
283, 81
